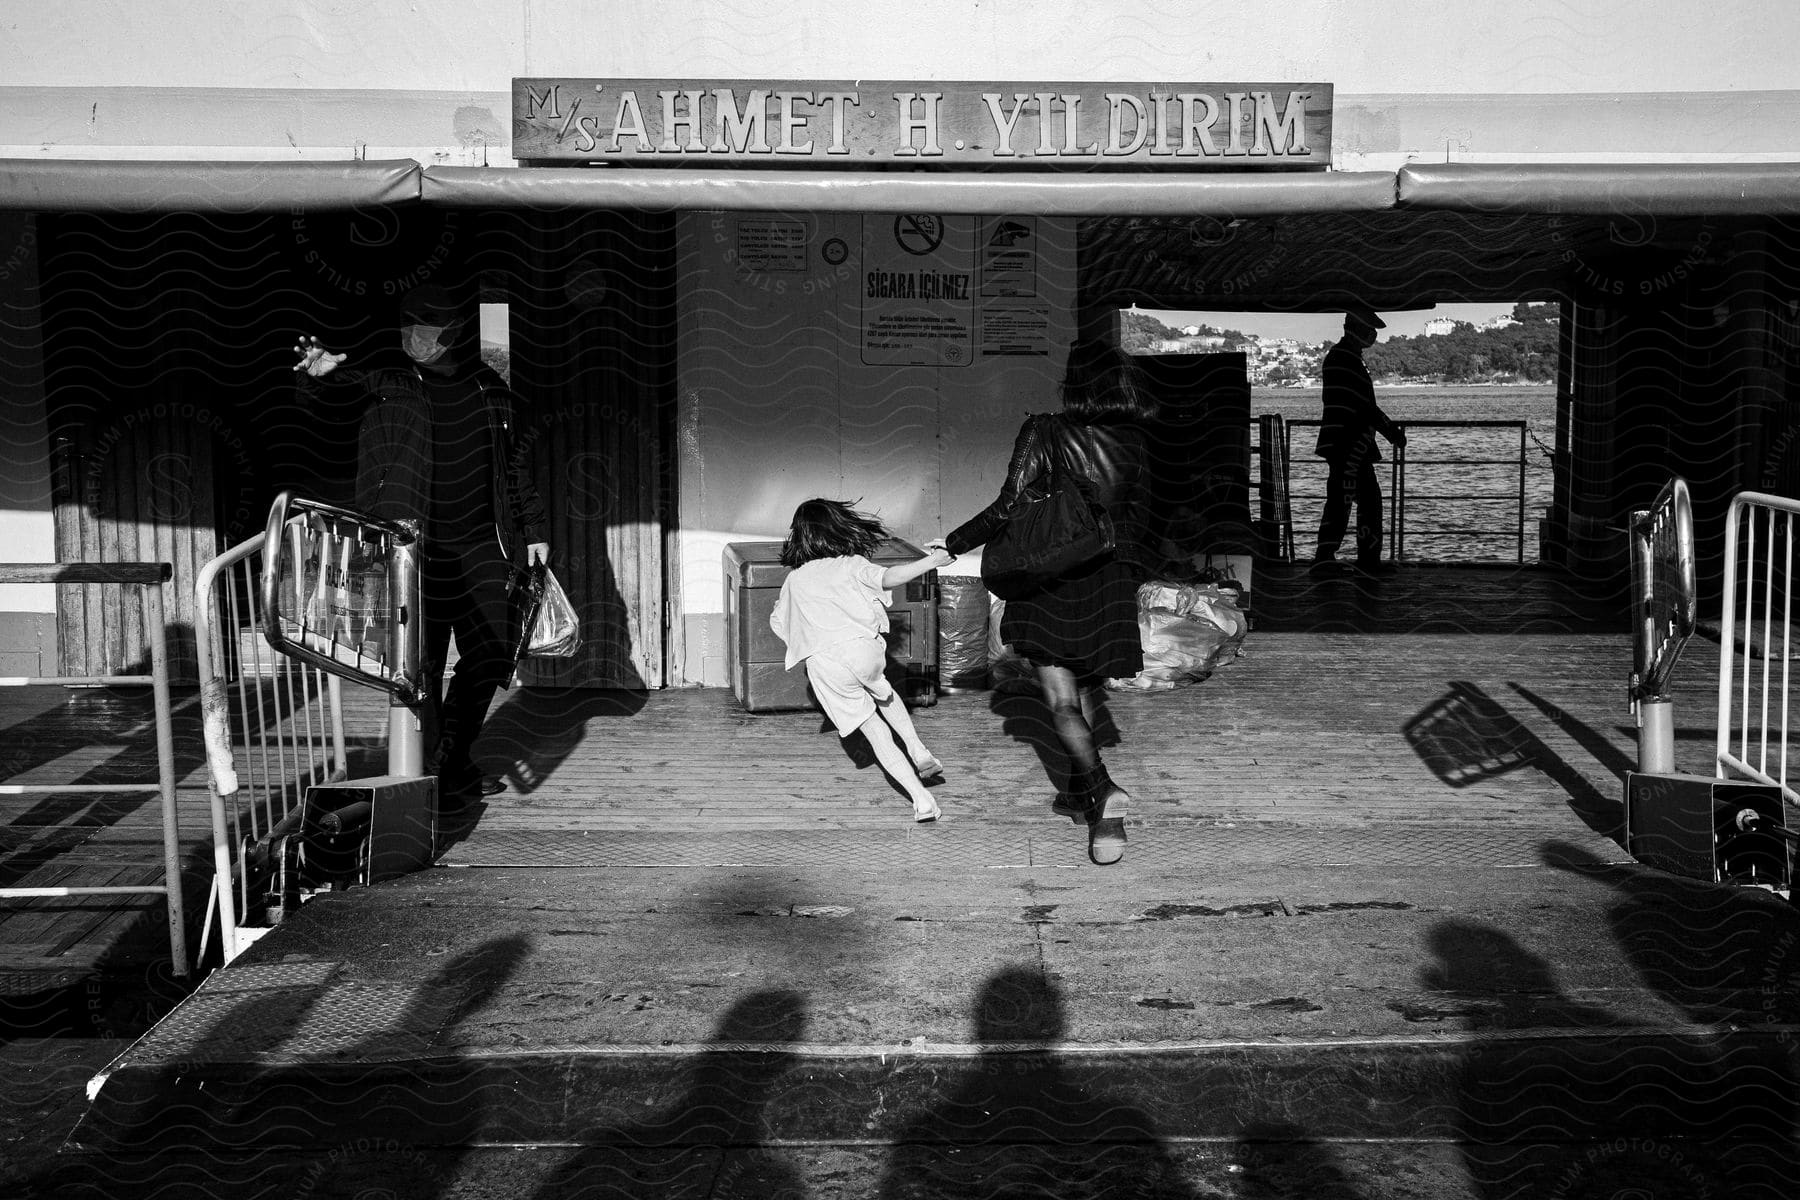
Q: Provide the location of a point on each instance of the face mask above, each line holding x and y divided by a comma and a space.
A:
421, 342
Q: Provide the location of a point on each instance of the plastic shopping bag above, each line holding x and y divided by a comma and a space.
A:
551, 628
1188, 630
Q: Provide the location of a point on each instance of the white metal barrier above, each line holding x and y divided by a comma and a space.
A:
273, 727
1755, 641
321, 595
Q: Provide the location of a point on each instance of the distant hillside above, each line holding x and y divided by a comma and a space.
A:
1524, 351
1142, 333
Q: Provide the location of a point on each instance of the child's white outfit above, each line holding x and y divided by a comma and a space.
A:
832, 613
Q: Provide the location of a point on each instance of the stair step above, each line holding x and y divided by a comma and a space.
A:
1268, 1162
1565, 1085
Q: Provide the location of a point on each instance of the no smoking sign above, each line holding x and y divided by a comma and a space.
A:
917, 234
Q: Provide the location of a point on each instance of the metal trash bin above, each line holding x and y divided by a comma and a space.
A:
963, 605
753, 579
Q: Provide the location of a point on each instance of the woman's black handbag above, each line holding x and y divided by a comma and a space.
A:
1055, 528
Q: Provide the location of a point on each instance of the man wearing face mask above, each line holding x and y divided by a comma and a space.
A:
436, 447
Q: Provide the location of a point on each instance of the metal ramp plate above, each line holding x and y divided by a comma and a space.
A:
949, 849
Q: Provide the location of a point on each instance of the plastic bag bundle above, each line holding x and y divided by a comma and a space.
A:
962, 633
552, 628
1187, 631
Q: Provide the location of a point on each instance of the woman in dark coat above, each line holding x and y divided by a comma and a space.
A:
1081, 629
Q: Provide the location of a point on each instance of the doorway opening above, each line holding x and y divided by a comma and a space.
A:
1474, 387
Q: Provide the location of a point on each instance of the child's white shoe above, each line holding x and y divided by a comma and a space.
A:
929, 811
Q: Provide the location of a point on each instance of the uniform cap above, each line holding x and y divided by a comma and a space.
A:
429, 304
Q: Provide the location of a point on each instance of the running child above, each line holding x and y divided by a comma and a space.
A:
832, 613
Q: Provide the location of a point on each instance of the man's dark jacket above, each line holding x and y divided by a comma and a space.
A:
393, 453
1351, 417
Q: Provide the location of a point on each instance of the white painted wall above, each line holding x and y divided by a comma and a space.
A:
1480, 80
1363, 46
27, 531
777, 405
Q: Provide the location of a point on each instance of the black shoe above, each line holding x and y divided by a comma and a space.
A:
1375, 566
1329, 568
1106, 827
1085, 787
469, 786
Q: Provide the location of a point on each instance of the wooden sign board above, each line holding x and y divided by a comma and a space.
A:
667, 122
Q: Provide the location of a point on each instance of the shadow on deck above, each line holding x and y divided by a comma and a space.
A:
1298, 729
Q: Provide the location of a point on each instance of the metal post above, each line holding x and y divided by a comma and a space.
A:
406, 741
165, 767
1656, 736
1397, 485
1521, 554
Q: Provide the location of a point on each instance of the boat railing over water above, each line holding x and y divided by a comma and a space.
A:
1493, 483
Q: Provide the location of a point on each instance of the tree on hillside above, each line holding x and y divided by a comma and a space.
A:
1141, 333
1524, 310
1469, 355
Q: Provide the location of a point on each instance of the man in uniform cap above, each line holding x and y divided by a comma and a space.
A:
1347, 444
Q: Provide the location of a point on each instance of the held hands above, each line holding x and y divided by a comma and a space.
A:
315, 359
537, 552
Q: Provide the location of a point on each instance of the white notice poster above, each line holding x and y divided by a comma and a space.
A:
918, 294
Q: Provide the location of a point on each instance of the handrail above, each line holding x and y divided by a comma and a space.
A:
150, 577
1664, 593
335, 596
1401, 494
1664, 612
284, 746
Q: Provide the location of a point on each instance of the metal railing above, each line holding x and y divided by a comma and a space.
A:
321, 595
1275, 512
150, 578
1755, 640
1401, 495
1664, 612
273, 727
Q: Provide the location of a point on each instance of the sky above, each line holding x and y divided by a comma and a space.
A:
1325, 327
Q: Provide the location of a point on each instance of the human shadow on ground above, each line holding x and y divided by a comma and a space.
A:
1466, 737
705, 1135
1556, 1096
1728, 958
1723, 954
1024, 717
535, 730
1281, 1161
1018, 1123
364, 1113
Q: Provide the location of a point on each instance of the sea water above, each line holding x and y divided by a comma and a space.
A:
1467, 510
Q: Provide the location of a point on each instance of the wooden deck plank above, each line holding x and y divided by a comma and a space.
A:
1516, 718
